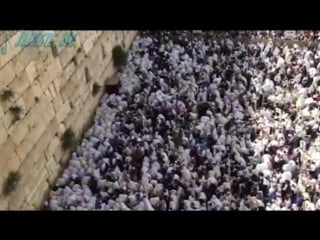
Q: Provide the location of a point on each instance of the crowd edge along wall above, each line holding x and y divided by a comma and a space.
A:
49, 91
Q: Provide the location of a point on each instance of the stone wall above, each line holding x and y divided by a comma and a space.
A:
54, 92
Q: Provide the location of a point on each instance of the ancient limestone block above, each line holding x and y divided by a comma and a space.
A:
67, 56
3, 134
52, 91
87, 46
53, 145
86, 94
54, 69
29, 98
70, 118
47, 94
29, 161
67, 73
31, 179
7, 75
30, 140
75, 98
16, 200
43, 61
35, 184
4, 202
1, 111
95, 67
24, 148
56, 84
67, 90
8, 120
36, 132
62, 129
63, 112
79, 57
19, 85
17, 132
47, 136
9, 160
40, 192
35, 114
45, 80
49, 114
58, 153
21, 61
57, 103
77, 42
82, 35
53, 168
31, 71
36, 88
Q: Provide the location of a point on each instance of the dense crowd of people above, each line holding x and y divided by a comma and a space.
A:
202, 124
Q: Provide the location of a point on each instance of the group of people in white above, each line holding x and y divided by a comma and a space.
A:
202, 124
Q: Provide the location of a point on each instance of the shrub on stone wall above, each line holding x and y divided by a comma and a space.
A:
6, 95
16, 111
95, 89
119, 56
69, 139
12, 182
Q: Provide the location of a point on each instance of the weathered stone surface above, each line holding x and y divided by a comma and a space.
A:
30, 140
52, 91
9, 160
17, 132
43, 61
53, 145
1, 111
79, 57
67, 73
63, 112
21, 61
4, 202
57, 103
66, 58
31, 71
87, 46
7, 75
8, 120
56, 83
53, 169
18, 86
3, 134
29, 98
36, 88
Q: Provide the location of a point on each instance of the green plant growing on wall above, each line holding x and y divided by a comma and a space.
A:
16, 111
6, 95
119, 56
12, 182
95, 89
69, 139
